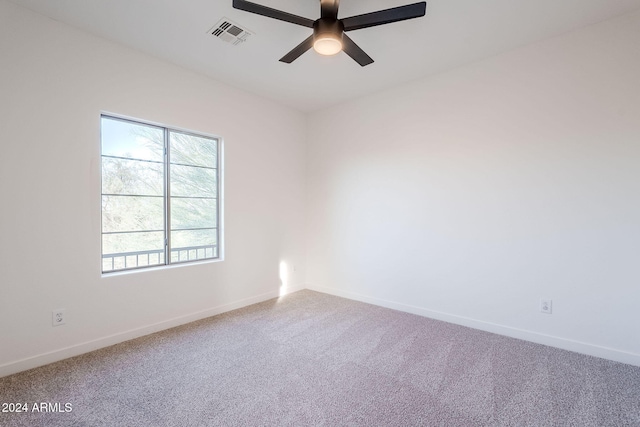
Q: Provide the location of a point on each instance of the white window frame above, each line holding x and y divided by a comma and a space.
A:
166, 130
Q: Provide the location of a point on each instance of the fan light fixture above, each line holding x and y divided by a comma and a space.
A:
327, 45
327, 36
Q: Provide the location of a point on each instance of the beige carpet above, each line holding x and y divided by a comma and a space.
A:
315, 359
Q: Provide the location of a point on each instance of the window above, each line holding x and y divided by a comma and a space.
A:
160, 195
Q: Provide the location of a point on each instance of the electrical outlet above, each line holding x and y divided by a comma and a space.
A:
58, 317
545, 305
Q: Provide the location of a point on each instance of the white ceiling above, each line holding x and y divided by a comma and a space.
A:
453, 33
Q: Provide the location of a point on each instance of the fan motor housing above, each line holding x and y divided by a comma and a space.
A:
326, 27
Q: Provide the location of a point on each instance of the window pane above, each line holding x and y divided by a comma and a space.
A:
121, 251
193, 181
120, 176
193, 238
133, 140
193, 150
193, 213
132, 213
132, 242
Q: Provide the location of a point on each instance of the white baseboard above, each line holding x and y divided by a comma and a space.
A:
85, 347
552, 341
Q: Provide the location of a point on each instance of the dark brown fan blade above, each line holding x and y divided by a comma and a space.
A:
354, 51
258, 9
386, 16
298, 50
329, 8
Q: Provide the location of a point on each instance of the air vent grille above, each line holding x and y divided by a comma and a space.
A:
230, 32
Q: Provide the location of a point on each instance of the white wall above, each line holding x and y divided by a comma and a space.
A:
470, 195
54, 83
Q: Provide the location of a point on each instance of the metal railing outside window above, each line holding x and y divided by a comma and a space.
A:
130, 260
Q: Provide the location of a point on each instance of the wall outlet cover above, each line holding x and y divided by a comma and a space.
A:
545, 305
58, 317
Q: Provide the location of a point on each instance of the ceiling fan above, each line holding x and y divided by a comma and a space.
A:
329, 36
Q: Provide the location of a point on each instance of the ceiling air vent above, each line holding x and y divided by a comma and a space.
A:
230, 32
